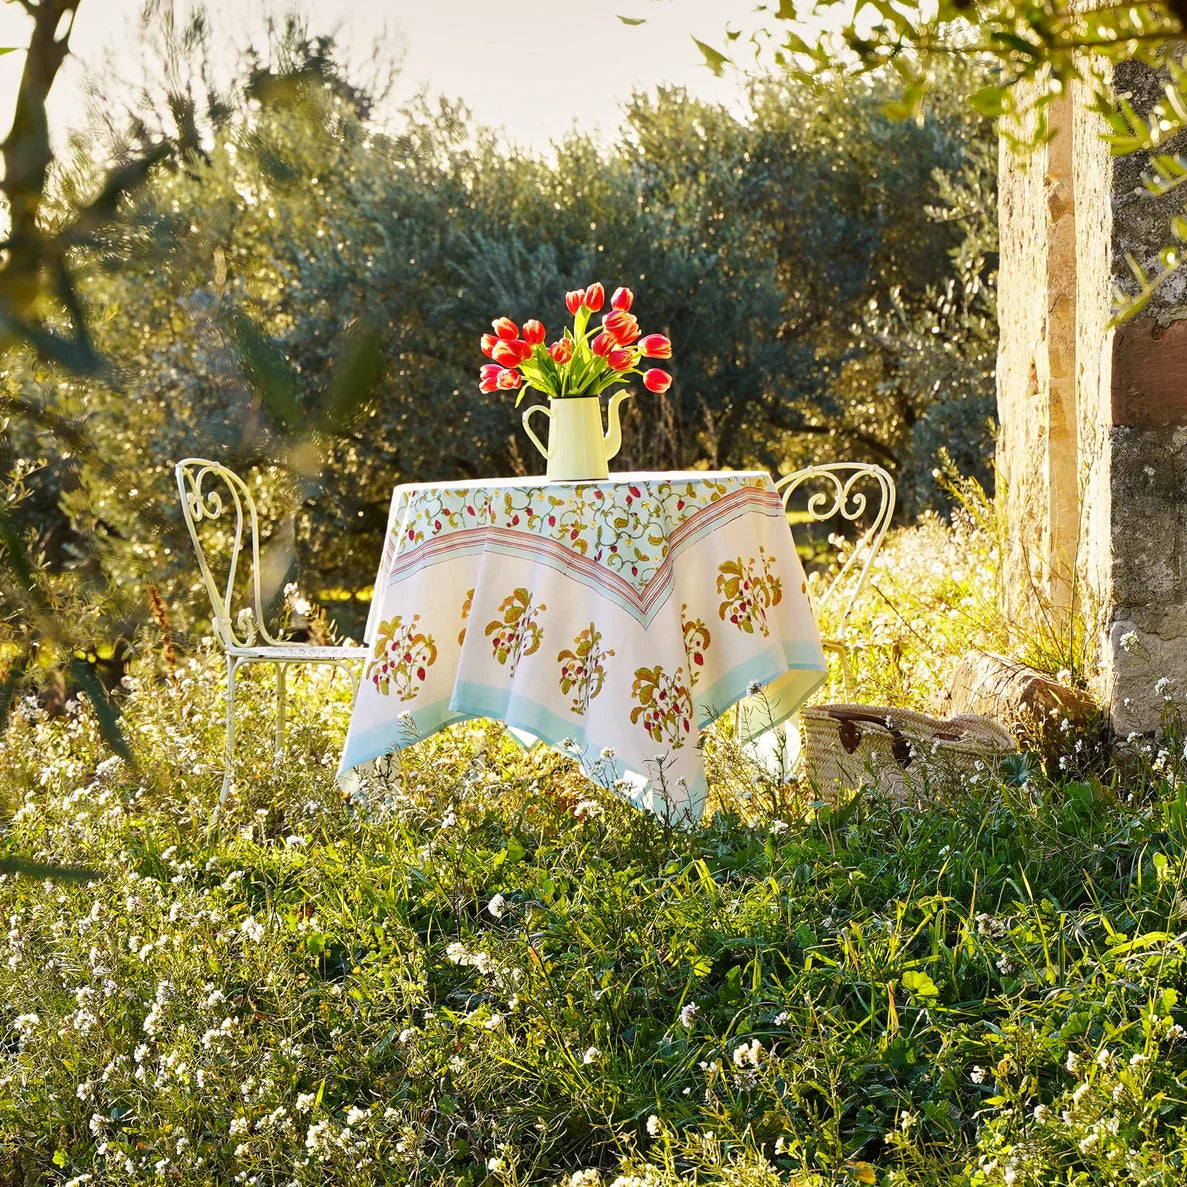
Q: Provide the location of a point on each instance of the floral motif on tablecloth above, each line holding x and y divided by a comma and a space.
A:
748, 594
402, 657
665, 705
583, 668
696, 643
517, 633
622, 526
466, 607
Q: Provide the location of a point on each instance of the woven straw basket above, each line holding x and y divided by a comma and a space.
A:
900, 752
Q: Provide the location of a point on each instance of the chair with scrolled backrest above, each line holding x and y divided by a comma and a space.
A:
214, 496
856, 493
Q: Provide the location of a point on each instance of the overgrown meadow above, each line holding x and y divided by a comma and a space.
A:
484, 969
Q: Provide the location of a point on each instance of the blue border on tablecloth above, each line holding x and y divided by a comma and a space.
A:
470, 700
769, 667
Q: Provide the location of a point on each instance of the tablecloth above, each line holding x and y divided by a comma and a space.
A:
611, 619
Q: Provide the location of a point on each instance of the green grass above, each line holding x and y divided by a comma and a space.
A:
490, 972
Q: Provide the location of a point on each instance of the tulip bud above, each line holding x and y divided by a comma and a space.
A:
561, 351
656, 380
656, 346
574, 300
489, 371
488, 385
620, 360
623, 299
510, 379
603, 344
488, 344
507, 352
533, 332
505, 327
594, 296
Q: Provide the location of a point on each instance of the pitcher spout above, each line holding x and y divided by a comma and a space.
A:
613, 427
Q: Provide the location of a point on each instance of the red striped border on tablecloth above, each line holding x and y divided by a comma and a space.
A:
438, 548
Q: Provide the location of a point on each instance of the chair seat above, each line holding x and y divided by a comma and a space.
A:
299, 652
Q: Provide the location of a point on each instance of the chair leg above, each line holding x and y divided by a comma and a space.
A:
847, 671
280, 707
229, 759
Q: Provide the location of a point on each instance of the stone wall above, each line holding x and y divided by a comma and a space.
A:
1093, 446
1036, 353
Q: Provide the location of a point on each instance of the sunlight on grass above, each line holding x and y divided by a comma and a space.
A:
487, 970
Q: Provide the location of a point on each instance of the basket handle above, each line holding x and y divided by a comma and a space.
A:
850, 735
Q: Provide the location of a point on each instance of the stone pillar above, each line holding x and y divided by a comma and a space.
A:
1093, 442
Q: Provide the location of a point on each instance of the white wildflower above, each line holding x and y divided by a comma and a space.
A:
497, 905
305, 1102
748, 1053
592, 1055
654, 1126
687, 1013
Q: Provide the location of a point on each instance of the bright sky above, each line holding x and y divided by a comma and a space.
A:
532, 67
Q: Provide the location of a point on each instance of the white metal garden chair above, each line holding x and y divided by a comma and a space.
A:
857, 493
209, 492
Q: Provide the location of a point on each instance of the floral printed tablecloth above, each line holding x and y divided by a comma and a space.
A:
611, 619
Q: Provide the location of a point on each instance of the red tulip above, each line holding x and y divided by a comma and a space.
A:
656, 380
624, 326
574, 300
594, 296
656, 346
620, 360
505, 327
509, 379
602, 345
561, 351
629, 332
623, 299
488, 344
507, 352
488, 385
533, 332
489, 371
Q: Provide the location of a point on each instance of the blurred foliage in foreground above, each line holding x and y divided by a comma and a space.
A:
491, 972
826, 274
1022, 56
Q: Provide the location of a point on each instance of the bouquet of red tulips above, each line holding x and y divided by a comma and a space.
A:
584, 361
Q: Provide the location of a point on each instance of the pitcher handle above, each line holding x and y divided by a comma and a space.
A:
527, 428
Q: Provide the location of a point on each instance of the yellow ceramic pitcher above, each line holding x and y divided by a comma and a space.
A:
577, 450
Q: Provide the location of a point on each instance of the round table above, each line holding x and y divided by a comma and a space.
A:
611, 619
